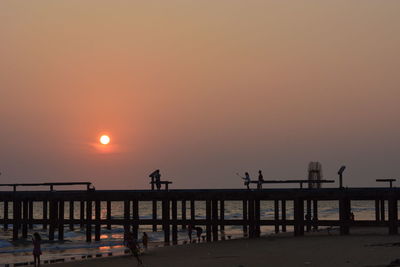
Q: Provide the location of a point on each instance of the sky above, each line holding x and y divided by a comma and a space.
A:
199, 89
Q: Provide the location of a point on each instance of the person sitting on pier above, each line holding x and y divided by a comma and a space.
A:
260, 179
36, 239
246, 179
155, 179
133, 246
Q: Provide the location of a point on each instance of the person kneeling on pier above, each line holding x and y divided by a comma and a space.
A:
133, 246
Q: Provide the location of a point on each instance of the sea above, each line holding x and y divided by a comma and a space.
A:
75, 245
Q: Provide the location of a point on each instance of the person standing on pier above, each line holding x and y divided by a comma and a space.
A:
260, 179
36, 239
246, 179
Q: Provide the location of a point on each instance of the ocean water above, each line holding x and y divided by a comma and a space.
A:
75, 245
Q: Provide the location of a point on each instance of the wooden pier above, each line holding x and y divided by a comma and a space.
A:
303, 202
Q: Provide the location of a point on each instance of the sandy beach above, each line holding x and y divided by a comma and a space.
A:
363, 248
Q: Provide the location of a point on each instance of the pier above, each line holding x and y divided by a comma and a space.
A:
303, 202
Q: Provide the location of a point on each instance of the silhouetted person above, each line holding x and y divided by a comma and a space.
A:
246, 179
260, 179
145, 240
199, 231
352, 216
190, 231
133, 246
36, 239
155, 179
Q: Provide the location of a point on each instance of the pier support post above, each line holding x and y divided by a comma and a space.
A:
135, 218
52, 218
71, 215
344, 215
165, 221
245, 217
393, 216
298, 206
222, 217
174, 222
97, 226
208, 220
126, 218
315, 215
82, 213
30, 214
89, 221
16, 218
154, 215
192, 212
382, 210
308, 215
251, 218
377, 212
44, 213
276, 213
214, 218
283, 209
108, 214
25, 219
183, 212
257, 218
61, 220
5, 216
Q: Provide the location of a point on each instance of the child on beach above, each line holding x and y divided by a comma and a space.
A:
133, 246
36, 248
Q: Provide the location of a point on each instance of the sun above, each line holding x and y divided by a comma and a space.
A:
104, 139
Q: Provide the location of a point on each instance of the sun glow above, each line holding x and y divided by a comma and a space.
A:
104, 139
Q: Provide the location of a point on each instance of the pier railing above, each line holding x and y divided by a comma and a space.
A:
304, 205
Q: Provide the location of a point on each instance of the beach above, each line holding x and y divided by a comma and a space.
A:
365, 247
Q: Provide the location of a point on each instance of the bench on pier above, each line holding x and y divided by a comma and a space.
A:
166, 183
390, 181
89, 185
301, 182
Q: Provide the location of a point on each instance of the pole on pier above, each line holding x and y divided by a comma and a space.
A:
30, 214
245, 217
315, 214
16, 218
154, 214
308, 215
108, 214
61, 220
126, 217
208, 220
222, 217
276, 211
382, 210
283, 208
135, 217
165, 221
97, 228
71, 215
89, 221
5, 216
393, 216
257, 217
25, 219
174, 222
344, 215
183, 214
82, 214
377, 212
214, 218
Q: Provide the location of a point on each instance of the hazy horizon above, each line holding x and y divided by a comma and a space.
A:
199, 89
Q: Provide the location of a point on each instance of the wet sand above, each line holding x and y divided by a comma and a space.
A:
365, 248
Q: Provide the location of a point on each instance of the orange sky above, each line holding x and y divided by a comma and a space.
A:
199, 89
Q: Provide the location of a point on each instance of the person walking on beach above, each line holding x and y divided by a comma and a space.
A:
190, 231
199, 231
260, 179
145, 240
133, 246
36, 239
247, 180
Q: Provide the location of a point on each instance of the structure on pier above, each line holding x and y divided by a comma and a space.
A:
314, 174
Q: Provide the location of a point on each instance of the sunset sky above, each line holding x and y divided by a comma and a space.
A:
199, 89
